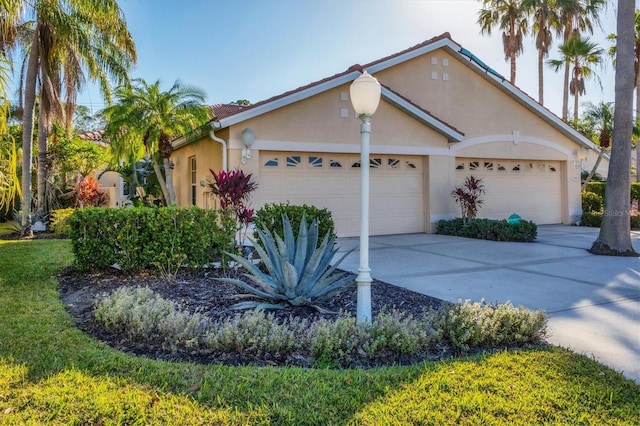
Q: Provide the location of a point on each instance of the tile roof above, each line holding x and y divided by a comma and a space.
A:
92, 136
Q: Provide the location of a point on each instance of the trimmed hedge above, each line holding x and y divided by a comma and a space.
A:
489, 229
148, 238
269, 217
594, 219
591, 202
600, 187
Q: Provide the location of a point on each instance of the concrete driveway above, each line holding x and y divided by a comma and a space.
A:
593, 301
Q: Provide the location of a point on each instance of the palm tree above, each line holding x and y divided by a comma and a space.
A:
612, 52
582, 55
574, 17
614, 237
597, 124
511, 17
72, 40
543, 13
145, 119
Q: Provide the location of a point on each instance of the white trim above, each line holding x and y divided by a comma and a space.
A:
289, 99
291, 146
514, 138
452, 134
445, 42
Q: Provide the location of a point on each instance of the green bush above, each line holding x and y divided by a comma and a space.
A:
489, 229
141, 314
591, 202
269, 217
597, 188
59, 223
594, 219
148, 238
469, 325
600, 187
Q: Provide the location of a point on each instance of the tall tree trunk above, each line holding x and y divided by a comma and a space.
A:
575, 106
614, 238
540, 77
594, 169
638, 124
565, 91
169, 175
27, 133
161, 181
513, 68
43, 135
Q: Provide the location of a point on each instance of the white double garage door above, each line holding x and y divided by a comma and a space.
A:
397, 189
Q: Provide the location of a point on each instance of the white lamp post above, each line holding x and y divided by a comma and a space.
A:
365, 97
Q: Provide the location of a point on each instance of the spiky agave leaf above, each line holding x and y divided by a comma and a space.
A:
299, 272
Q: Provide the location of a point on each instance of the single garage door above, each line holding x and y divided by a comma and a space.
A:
332, 181
532, 189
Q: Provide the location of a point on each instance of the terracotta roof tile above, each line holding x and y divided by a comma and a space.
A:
93, 136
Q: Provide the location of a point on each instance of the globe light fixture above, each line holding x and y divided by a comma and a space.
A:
248, 138
365, 97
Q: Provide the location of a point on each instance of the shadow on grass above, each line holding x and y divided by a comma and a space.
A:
54, 373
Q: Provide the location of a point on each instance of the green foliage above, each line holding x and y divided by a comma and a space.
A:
77, 155
299, 270
470, 325
489, 229
140, 314
635, 191
59, 222
53, 373
594, 220
269, 217
591, 202
598, 188
144, 238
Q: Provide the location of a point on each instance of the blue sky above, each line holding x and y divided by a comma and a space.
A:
255, 49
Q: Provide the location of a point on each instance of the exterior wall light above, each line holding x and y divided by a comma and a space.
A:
248, 138
365, 97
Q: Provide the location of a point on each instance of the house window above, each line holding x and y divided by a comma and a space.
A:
293, 161
474, 165
315, 161
271, 163
335, 164
460, 166
394, 163
375, 163
410, 165
552, 169
192, 170
488, 165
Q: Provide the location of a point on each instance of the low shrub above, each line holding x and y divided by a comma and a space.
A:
148, 238
141, 314
270, 216
489, 229
591, 202
59, 223
468, 325
594, 220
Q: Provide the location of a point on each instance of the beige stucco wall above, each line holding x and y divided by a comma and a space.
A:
208, 155
494, 125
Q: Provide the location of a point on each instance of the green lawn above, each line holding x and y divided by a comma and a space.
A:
51, 373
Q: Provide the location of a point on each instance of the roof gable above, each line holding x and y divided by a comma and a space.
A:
227, 115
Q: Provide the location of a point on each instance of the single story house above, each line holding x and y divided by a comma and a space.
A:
444, 115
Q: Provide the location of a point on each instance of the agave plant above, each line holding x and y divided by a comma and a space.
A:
298, 271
